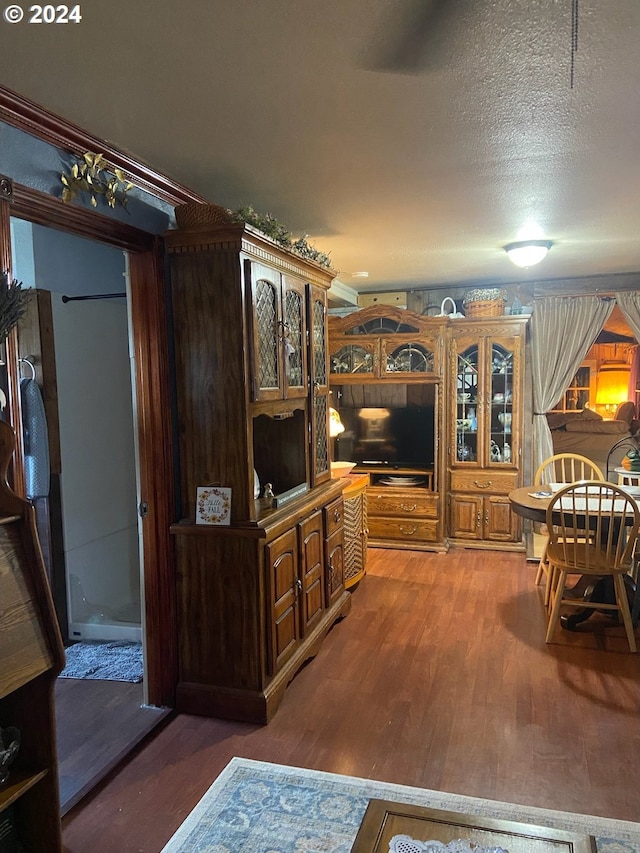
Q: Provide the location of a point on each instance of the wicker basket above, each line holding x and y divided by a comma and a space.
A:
200, 215
484, 308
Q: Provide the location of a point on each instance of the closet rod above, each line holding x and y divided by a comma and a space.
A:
94, 296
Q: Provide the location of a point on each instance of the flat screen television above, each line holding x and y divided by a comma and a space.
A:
389, 436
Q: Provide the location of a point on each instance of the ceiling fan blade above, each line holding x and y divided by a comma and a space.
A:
410, 44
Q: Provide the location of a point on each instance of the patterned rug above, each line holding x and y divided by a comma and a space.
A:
255, 807
114, 661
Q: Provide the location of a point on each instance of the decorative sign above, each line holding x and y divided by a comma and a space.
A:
213, 505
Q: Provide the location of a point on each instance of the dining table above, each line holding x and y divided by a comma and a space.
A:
531, 502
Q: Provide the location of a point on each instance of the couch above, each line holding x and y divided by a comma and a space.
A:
588, 434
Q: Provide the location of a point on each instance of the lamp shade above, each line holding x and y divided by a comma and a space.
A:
335, 424
613, 383
527, 253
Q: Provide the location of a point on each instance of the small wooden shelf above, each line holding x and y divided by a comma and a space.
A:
18, 785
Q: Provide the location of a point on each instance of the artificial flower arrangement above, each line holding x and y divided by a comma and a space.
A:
13, 303
90, 175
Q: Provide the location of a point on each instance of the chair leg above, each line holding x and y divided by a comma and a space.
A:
552, 580
623, 606
556, 596
543, 565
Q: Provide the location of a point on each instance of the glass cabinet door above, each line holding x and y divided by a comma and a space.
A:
353, 359
501, 404
320, 391
293, 340
267, 347
409, 357
468, 399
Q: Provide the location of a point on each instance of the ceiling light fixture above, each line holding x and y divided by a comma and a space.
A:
527, 253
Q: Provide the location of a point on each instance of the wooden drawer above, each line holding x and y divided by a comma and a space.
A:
333, 516
405, 529
484, 481
390, 501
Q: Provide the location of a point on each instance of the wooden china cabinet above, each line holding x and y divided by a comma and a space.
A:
255, 598
485, 429
387, 373
470, 375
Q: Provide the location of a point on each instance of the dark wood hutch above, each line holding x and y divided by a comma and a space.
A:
254, 598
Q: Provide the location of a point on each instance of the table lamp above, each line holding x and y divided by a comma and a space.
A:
612, 385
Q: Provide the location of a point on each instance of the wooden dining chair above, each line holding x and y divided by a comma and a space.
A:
613, 519
561, 468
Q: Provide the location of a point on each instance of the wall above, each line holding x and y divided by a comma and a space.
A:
38, 165
98, 481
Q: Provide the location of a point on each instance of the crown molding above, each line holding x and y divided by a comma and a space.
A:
28, 116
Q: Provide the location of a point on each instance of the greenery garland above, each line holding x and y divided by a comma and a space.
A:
13, 303
269, 225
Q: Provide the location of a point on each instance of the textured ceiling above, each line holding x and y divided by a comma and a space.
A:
418, 173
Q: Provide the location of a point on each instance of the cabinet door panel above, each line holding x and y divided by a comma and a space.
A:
311, 570
467, 425
355, 360
318, 357
502, 394
407, 358
335, 565
293, 338
266, 332
499, 521
466, 517
282, 563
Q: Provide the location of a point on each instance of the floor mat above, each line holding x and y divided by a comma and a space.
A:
114, 661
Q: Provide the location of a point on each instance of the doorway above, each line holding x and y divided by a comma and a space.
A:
88, 519
93, 522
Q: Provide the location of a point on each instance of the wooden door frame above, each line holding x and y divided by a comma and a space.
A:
149, 322
151, 347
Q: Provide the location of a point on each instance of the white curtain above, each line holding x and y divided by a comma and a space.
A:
629, 303
562, 331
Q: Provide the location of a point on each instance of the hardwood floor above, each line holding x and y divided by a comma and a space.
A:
440, 678
97, 724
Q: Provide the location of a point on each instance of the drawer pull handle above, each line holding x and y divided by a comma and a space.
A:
486, 485
478, 519
408, 531
336, 515
408, 508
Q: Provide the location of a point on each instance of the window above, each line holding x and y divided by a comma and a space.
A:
582, 390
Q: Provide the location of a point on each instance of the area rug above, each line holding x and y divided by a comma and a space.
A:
113, 661
256, 807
